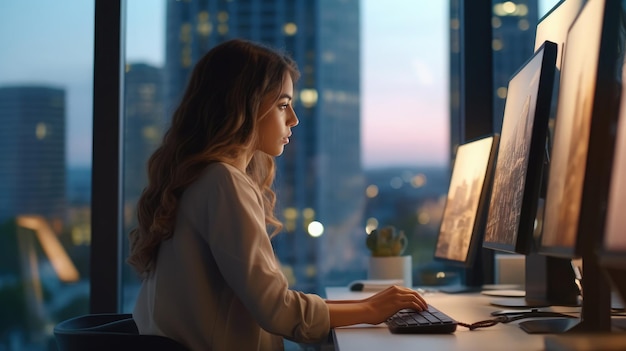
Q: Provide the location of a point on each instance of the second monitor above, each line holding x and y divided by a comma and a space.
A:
515, 207
518, 174
460, 233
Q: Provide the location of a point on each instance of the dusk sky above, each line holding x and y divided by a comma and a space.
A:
404, 64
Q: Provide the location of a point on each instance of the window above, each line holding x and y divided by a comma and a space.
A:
46, 71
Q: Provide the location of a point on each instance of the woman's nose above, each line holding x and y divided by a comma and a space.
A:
293, 121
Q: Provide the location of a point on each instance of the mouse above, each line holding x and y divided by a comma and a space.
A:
356, 286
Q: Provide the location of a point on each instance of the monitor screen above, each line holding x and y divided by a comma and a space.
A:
461, 227
582, 149
518, 171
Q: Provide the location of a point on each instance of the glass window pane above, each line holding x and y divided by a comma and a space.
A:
145, 115
405, 116
372, 144
46, 79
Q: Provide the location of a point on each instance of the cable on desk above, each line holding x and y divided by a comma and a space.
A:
510, 318
486, 323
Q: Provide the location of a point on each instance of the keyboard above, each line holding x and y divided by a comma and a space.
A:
431, 321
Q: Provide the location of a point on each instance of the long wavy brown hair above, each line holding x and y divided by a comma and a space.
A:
216, 121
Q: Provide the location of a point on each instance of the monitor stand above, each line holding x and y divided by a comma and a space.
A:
479, 273
550, 281
595, 313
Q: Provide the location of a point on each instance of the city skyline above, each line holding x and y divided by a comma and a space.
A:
404, 100
402, 62
396, 130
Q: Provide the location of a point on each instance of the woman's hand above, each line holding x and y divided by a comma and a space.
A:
389, 301
376, 308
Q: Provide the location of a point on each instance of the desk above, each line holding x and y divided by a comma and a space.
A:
467, 308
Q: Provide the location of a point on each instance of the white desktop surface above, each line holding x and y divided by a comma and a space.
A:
467, 308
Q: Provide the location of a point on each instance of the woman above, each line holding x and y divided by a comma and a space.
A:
210, 277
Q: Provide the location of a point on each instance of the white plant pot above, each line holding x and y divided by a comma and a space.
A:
393, 267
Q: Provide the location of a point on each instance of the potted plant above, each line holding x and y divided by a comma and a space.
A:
387, 261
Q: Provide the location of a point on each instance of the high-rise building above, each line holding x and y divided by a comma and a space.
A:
319, 175
514, 26
32, 152
144, 124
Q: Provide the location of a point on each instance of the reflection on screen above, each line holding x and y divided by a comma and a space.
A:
508, 184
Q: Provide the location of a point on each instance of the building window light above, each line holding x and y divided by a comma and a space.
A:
509, 8
41, 130
308, 97
290, 29
222, 28
502, 91
496, 22
523, 25
316, 229
496, 45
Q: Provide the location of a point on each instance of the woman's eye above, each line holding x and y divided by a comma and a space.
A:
283, 106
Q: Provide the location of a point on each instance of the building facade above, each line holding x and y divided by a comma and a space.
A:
144, 124
32, 152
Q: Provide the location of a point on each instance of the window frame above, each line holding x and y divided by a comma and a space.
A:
106, 197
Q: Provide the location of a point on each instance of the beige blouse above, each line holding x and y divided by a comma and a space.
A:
217, 284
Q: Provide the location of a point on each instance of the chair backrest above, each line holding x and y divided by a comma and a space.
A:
116, 332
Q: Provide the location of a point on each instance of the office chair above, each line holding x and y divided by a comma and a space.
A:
100, 332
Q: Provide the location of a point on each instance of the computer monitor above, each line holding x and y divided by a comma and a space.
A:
555, 24
581, 154
515, 204
518, 172
583, 142
462, 224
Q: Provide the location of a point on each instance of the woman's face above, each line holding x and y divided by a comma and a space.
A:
278, 117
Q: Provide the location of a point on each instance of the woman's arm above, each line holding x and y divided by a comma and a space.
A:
330, 302
374, 309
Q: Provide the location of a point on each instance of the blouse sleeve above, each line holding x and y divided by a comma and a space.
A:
239, 242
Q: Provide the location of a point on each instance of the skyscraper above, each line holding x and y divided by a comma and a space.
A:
32, 152
144, 124
514, 26
319, 175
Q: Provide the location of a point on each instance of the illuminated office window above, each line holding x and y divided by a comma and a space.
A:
46, 71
